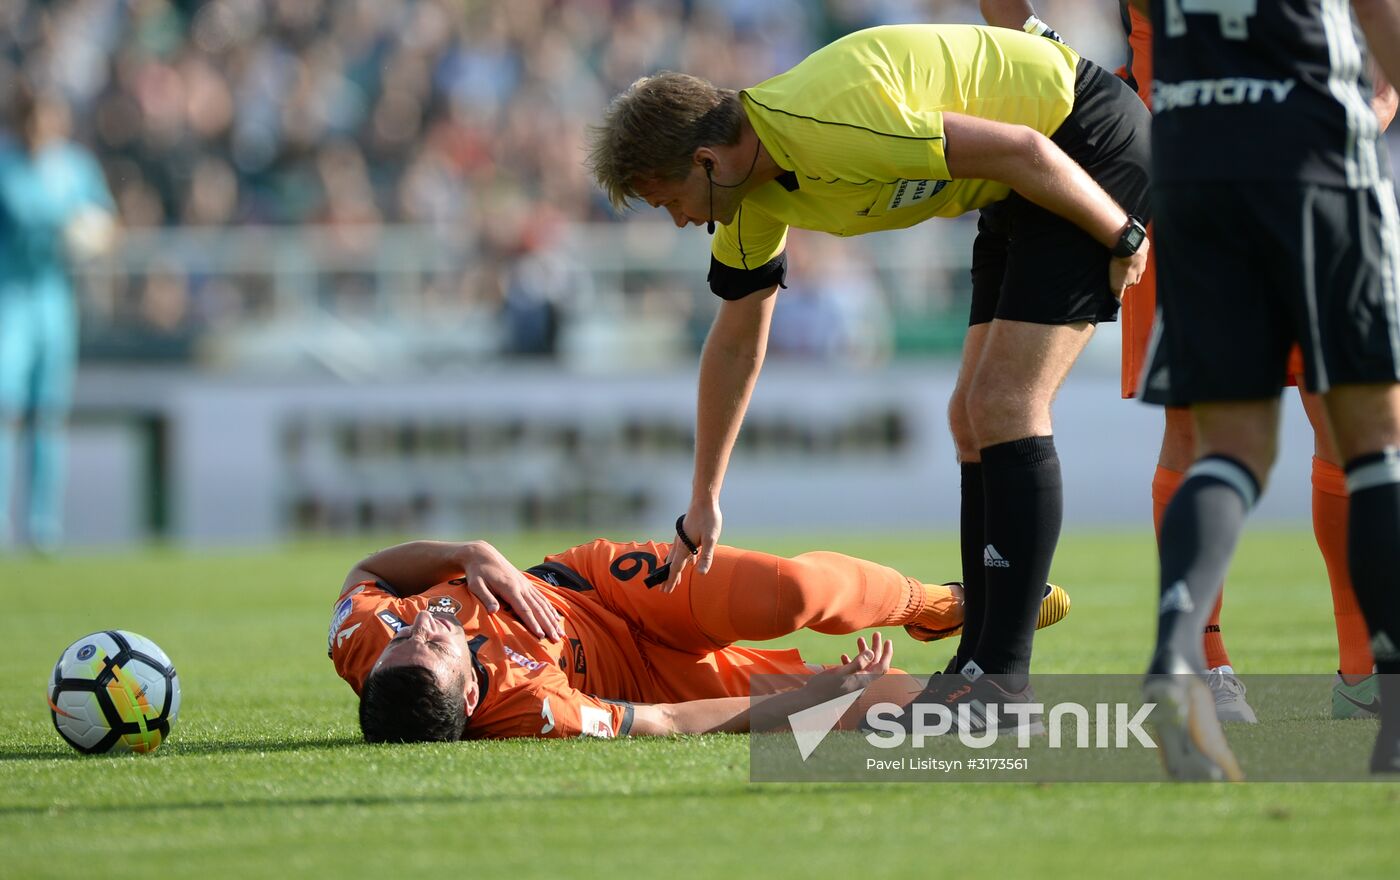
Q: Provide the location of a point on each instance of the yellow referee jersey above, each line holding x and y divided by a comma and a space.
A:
859, 123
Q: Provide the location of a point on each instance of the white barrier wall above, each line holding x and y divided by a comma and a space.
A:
825, 449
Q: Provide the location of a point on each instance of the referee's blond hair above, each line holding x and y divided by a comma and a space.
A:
651, 131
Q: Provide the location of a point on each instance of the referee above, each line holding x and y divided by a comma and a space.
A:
1276, 223
883, 129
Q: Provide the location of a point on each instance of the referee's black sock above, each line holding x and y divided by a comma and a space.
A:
1373, 549
1025, 504
1200, 528
973, 520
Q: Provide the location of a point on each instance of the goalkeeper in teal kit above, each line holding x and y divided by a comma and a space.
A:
54, 205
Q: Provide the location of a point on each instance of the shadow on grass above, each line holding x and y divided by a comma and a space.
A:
251, 804
399, 799
176, 748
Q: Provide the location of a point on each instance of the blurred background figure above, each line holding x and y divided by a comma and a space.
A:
54, 208
833, 309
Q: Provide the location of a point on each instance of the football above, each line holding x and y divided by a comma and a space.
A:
114, 691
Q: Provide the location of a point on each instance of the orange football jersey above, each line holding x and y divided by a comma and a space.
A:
627, 642
529, 686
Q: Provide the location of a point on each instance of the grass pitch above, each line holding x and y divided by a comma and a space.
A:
264, 772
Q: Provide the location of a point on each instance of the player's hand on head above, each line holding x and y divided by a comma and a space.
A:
492, 579
701, 525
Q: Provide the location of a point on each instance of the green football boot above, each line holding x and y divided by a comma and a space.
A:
1360, 700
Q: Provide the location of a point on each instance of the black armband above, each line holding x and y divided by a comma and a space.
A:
729, 283
629, 710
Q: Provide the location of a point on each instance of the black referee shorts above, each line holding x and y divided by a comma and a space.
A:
1029, 264
1245, 269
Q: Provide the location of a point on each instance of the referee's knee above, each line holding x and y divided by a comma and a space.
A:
960, 424
1003, 414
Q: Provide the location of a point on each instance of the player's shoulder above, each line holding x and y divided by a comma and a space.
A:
371, 587
355, 602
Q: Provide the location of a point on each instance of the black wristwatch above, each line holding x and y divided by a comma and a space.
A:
1130, 242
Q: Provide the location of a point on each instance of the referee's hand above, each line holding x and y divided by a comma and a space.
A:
702, 524
1124, 272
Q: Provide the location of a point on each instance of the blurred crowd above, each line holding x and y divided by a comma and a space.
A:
462, 117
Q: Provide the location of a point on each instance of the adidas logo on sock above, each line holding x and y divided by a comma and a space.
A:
1177, 598
992, 559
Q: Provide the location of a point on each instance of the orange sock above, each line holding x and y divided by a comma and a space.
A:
943, 609
1330, 517
1164, 485
1216, 655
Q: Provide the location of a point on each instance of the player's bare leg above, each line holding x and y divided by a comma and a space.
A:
1007, 411
1178, 451
959, 421
1021, 369
1365, 421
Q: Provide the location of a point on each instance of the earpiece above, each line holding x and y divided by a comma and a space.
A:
709, 175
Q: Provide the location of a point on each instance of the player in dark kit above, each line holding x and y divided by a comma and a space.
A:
1354, 693
1276, 222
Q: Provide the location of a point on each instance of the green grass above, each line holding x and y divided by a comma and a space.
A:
264, 772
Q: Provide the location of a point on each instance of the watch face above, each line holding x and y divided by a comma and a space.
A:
1130, 242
